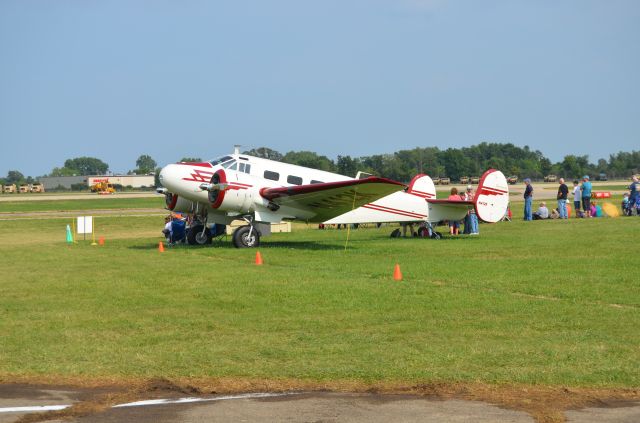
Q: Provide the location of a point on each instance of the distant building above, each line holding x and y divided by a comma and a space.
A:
135, 181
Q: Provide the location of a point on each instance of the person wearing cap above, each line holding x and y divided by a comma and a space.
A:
586, 195
563, 191
528, 199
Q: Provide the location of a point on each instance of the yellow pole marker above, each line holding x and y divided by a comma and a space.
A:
73, 236
353, 206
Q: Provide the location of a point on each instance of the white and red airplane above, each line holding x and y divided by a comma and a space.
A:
259, 191
418, 204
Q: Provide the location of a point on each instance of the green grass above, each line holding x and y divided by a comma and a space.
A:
91, 203
552, 303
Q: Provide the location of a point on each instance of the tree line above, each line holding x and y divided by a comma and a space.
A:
401, 165
454, 163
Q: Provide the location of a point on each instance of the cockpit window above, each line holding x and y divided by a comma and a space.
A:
220, 160
231, 165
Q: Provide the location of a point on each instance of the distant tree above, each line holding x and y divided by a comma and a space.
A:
190, 160
347, 166
145, 164
14, 177
63, 171
87, 166
265, 153
156, 177
309, 159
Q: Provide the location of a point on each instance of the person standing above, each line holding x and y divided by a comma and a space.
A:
586, 195
563, 191
454, 226
576, 197
634, 194
471, 220
528, 199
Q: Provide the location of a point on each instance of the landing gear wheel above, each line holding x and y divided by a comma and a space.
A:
196, 237
241, 238
436, 235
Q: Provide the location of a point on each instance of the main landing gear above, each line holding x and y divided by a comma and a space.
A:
247, 236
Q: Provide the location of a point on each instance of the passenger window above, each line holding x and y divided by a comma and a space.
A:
316, 182
241, 167
274, 176
294, 180
247, 168
233, 167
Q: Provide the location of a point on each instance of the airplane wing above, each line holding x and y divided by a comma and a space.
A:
324, 201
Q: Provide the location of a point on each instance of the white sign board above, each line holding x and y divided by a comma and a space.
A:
85, 224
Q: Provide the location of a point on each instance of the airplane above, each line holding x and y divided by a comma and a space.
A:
260, 191
418, 204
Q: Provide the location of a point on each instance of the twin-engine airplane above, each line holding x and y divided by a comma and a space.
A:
259, 191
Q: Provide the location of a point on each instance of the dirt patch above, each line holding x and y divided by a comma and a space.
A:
544, 404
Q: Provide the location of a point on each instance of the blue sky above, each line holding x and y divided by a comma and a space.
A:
117, 79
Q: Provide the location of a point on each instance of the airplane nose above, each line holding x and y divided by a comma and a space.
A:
168, 175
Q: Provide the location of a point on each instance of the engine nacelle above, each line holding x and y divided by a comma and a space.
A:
237, 192
177, 204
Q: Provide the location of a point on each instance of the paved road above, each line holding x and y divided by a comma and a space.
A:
294, 407
73, 196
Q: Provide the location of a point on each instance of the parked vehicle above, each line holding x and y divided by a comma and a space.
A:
475, 180
550, 178
9, 189
512, 180
37, 187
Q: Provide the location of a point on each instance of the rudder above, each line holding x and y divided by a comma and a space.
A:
492, 198
422, 186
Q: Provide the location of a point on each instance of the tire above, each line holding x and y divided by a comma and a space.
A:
436, 235
196, 237
423, 232
241, 237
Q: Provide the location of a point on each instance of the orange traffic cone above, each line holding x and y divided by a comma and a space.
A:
101, 241
161, 247
397, 274
258, 258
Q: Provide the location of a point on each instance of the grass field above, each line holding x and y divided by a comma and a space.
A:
550, 303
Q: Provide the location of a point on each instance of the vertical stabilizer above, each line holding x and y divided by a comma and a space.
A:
422, 186
492, 197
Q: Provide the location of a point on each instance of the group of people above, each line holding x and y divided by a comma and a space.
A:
471, 219
582, 203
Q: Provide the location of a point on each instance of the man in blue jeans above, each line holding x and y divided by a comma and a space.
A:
528, 200
563, 191
586, 196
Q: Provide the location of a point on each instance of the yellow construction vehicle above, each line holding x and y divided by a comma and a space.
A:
102, 186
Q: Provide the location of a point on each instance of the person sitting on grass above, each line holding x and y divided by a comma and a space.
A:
542, 212
626, 210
